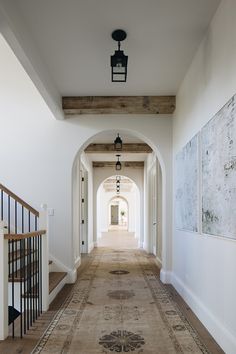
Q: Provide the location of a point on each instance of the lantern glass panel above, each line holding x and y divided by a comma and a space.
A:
118, 166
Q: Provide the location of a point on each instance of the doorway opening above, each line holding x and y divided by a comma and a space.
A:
118, 215
143, 167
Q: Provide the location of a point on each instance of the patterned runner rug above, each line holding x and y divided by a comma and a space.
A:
119, 305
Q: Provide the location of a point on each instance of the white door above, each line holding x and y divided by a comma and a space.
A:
83, 211
153, 203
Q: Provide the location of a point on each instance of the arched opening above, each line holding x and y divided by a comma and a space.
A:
118, 209
152, 227
119, 217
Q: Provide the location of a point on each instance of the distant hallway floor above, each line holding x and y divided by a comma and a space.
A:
118, 240
118, 304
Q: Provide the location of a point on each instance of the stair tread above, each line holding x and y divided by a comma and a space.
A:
33, 293
20, 273
18, 255
54, 279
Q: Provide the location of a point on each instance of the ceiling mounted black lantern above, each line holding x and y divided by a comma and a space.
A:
118, 143
118, 163
119, 61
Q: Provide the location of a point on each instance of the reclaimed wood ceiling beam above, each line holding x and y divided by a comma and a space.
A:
118, 105
126, 148
133, 164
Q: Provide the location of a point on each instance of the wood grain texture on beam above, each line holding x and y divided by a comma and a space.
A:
118, 105
133, 164
128, 148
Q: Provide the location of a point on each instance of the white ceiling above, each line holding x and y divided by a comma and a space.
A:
74, 43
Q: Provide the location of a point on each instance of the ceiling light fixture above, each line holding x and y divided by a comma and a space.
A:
118, 143
119, 61
118, 163
118, 178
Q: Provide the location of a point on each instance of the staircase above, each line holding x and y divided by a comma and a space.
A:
57, 279
28, 280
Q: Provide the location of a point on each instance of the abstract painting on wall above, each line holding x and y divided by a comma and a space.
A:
219, 173
186, 177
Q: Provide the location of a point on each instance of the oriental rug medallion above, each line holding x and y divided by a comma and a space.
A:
119, 305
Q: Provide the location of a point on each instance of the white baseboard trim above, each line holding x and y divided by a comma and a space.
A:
158, 262
90, 247
72, 276
140, 244
165, 276
221, 334
145, 247
77, 262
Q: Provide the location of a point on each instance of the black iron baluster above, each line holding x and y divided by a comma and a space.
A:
30, 272
8, 228
12, 266
36, 270
27, 282
24, 263
40, 272
22, 254
33, 280
16, 253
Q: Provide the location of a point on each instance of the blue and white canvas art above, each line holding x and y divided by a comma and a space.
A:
219, 173
186, 177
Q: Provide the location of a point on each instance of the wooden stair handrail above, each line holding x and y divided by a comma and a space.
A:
19, 200
16, 237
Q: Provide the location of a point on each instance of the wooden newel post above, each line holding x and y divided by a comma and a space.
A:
43, 225
3, 284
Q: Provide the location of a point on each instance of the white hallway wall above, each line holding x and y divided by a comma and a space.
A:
37, 151
205, 275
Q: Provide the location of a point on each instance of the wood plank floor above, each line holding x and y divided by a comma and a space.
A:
26, 345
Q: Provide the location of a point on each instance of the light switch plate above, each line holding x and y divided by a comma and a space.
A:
50, 212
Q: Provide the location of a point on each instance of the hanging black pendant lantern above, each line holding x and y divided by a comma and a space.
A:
118, 163
119, 60
118, 143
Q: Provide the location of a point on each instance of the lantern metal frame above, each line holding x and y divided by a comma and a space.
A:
118, 163
119, 61
118, 143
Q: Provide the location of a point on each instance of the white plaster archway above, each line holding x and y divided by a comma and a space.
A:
162, 149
